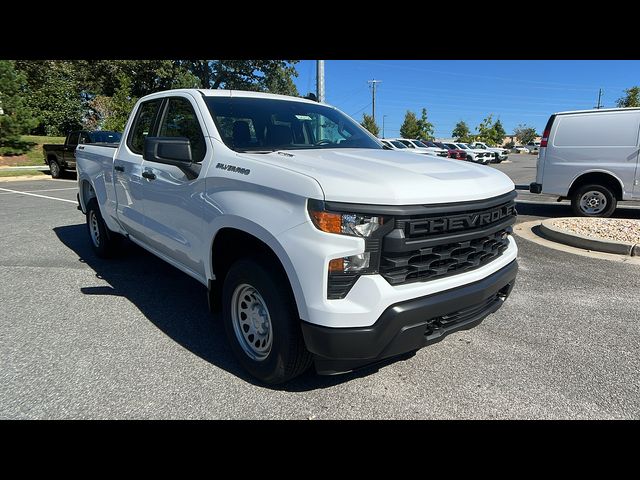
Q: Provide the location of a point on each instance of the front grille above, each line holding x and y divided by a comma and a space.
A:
449, 240
442, 260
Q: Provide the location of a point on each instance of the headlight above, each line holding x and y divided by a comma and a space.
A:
355, 224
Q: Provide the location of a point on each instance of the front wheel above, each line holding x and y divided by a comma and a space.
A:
261, 321
593, 201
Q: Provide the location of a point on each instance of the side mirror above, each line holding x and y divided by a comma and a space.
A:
169, 150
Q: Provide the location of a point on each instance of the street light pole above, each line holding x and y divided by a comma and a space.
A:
383, 117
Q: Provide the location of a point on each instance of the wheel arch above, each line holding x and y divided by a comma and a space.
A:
236, 237
598, 177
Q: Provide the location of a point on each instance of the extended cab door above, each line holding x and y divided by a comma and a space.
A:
127, 169
172, 195
69, 149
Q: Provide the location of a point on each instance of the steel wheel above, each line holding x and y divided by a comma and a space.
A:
251, 322
94, 228
593, 202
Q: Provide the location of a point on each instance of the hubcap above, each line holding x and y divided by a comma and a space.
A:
593, 202
251, 322
94, 229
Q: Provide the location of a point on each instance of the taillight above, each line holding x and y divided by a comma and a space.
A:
545, 138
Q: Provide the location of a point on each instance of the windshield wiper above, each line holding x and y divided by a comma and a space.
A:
257, 151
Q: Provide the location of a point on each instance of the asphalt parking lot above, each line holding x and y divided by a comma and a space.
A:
131, 337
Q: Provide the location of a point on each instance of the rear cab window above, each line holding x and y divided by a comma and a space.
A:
143, 124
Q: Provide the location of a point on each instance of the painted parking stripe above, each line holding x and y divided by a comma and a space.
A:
46, 190
39, 196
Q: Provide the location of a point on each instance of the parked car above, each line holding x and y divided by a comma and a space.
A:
317, 245
63, 157
501, 154
520, 149
533, 147
420, 147
394, 144
453, 150
591, 158
475, 155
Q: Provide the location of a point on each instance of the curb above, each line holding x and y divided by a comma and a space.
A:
28, 167
580, 241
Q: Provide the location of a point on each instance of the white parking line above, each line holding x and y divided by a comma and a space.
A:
39, 196
46, 190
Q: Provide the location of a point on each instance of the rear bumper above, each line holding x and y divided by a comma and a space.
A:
410, 325
535, 187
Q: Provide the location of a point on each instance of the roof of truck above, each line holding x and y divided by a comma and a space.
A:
233, 93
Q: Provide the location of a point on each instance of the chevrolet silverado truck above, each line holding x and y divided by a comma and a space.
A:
501, 154
317, 244
63, 157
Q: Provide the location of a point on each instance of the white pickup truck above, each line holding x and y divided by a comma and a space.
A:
317, 244
501, 154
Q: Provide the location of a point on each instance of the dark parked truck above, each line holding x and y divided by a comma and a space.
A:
63, 157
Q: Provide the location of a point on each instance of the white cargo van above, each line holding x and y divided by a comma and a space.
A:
590, 157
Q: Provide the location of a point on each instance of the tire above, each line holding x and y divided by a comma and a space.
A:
256, 286
56, 170
103, 241
593, 201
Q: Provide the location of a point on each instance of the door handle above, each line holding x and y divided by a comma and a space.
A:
149, 175
118, 168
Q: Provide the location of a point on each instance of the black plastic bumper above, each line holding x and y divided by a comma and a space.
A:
535, 187
408, 326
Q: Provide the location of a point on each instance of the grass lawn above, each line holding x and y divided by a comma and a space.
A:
20, 173
34, 156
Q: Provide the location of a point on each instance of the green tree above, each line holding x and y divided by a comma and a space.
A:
461, 132
275, 76
53, 95
370, 124
485, 130
425, 127
525, 134
498, 133
630, 99
15, 116
120, 106
410, 127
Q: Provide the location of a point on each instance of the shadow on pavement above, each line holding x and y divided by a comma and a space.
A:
555, 210
177, 305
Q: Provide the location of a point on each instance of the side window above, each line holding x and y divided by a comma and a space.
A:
143, 124
73, 138
180, 121
84, 137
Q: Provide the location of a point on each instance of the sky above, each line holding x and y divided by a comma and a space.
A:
515, 91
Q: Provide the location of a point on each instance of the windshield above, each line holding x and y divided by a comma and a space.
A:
104, 137
419, 144
462, 146
431, 144
398, 144
249, 124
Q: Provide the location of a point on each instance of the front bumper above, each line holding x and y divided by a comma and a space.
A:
407, 326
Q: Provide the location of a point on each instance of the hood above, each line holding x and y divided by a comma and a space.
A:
391, 177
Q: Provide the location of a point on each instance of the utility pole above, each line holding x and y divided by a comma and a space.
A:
383, 117
320, 80
373, 84
599, 106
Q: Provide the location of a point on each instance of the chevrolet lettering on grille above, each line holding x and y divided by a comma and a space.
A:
458, 222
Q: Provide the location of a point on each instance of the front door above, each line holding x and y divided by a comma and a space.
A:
127, 170
69, 150
172, 195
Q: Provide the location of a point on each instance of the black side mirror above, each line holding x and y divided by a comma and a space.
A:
170, 150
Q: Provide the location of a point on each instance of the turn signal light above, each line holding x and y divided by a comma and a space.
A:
327, 222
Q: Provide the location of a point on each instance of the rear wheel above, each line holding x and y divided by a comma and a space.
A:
593, 201
55, 169
261, 321
103, 240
